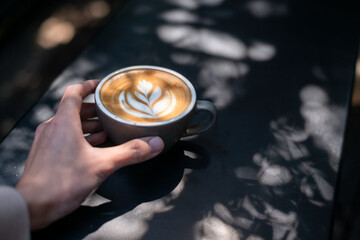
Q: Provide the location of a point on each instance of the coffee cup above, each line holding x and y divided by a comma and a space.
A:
141, 101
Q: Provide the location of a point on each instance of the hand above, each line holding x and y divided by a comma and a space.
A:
63, 167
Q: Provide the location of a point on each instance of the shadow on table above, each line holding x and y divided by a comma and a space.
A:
279, 91
129, 187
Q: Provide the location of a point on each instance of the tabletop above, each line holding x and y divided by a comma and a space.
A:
280, 74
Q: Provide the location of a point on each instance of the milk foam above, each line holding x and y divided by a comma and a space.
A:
147, 101
143, 95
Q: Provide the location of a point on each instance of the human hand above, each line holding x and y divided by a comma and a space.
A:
63, 167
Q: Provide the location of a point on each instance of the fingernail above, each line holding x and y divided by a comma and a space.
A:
156, 144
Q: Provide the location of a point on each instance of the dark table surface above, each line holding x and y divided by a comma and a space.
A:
281, 76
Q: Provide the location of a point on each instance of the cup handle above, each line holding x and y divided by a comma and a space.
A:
202, 105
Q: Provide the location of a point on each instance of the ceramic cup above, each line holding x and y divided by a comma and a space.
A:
121, 130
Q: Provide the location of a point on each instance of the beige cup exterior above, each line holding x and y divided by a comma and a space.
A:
121, 131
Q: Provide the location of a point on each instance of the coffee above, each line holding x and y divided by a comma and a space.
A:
145, 95
141, 101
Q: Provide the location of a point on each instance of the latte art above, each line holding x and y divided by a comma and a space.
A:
153, 102
144, 95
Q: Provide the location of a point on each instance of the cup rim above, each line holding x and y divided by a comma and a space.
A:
119, 119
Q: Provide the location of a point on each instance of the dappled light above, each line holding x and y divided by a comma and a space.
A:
61, 28
95, 200
203, 40
43, 113
222, 74
222, 212
314, 96
222, 80
222, 61
135, 225
131, 228
264, 8
213, 228
179, 16
321, 184
274, 175
322, 121
54, 32
184, 58
98, 9
290, 145
194, 4
21, 141
276, 145
279, 165
259, 51
283, 224
254, 237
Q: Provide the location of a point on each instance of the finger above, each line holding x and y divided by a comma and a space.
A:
132, 152
88, 110
72, 100
91, 126
96, 138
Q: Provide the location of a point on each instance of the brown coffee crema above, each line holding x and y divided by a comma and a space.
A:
145, 95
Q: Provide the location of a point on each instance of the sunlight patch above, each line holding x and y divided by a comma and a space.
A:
275, 175
260, 51
213, 228
203, 40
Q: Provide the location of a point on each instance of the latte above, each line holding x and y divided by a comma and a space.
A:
145, 95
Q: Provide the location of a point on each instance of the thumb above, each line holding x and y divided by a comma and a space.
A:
133, 152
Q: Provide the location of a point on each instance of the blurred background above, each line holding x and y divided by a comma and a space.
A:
39, 39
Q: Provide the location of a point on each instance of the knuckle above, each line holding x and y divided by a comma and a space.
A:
69, 88
40, 128
69, 100
56, 121
72, 87
54, 125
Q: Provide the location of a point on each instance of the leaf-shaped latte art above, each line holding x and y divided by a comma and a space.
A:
147, 101
144, 87
156, 94
145, 95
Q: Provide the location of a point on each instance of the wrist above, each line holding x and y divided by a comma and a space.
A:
39, 207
